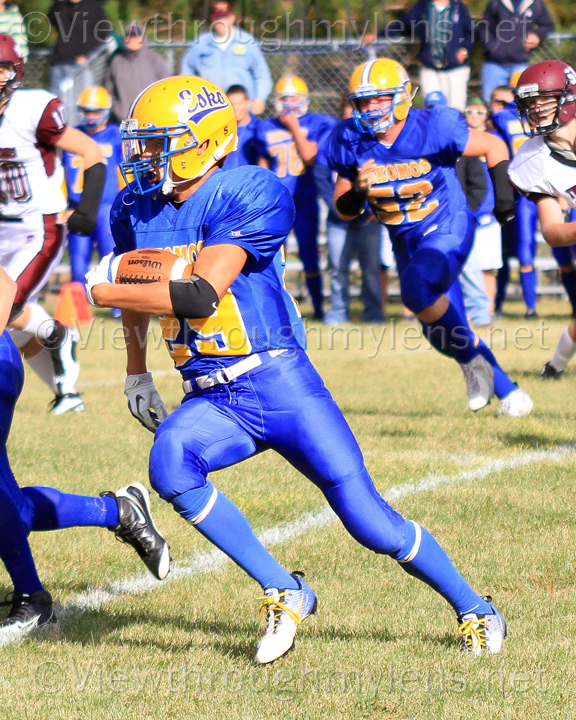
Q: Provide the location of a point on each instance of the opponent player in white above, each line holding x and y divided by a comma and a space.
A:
32, 128
544, 168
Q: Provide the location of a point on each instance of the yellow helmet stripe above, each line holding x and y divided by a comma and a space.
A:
366, 72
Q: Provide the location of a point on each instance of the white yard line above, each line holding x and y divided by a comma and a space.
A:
213, 561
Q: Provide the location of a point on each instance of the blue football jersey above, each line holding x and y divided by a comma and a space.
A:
509, 127
246, 154
276, 144
111, 146
416, 189
248, 207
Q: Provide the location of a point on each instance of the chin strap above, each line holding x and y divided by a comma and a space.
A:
170, 184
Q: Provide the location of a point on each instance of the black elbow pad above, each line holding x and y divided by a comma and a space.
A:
351, 203
193, 298
83, 219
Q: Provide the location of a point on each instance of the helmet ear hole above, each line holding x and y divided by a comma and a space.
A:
202, 148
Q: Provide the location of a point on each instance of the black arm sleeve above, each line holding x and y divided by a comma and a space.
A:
472, 179
351, 203
504, 201
83, 219
193, 298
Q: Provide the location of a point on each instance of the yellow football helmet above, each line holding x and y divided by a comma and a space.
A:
195, 122
513, 82
374, 78
97, 102
291, 96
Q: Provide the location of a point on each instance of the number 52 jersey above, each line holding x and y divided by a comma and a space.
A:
416, 190
31, 175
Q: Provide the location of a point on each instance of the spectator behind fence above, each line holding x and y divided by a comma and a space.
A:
510, 30
227, 55
12, 23
247, 151
486, 252
444, 30
132, 69
82, 26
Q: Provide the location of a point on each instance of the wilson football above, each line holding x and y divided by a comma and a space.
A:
149, 265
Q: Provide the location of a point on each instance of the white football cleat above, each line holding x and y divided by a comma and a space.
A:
286, 610
65, 403
479, 376
482, 634
516, 404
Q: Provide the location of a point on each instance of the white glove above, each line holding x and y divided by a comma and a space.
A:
144, 401
102, 273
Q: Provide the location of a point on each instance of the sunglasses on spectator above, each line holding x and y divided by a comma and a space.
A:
471, 111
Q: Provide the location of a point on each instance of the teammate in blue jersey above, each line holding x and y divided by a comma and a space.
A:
94, 106
27, 509
247, 152
288, 145
237, 338
403, 162
518, 235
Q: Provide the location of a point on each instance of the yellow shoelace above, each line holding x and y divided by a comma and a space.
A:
474, 629
273, 604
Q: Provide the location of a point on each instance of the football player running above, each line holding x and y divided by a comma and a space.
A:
94, 107
22, 510
544, 168
237, 337
288, 145
32, 128
402, 162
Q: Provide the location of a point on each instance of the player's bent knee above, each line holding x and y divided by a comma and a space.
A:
174, 468
424, 280
196, 504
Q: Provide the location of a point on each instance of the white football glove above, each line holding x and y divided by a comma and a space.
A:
144, 401
102, 273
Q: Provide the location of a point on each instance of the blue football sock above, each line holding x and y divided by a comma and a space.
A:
501, 284
503, 386
54, 510
15, 551
314, 285
451, 336
227, 528
434, 567
528, 281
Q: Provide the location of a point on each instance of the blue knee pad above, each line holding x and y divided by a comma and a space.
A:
425, 279
170, 460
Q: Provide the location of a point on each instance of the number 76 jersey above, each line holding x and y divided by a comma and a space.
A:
416, 190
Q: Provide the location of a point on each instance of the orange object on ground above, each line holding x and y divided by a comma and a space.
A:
73, 308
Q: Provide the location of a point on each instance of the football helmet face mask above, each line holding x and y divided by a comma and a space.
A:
546, 97
12, 63
291, 96
375, 79
97, 102
178, 129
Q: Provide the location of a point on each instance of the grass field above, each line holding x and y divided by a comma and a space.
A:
497, 492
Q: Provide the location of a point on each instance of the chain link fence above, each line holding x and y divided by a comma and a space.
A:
325, 66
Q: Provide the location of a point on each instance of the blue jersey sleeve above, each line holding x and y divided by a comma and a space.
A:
121, 222
251, 209
339, 154
449, 135
321, 128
